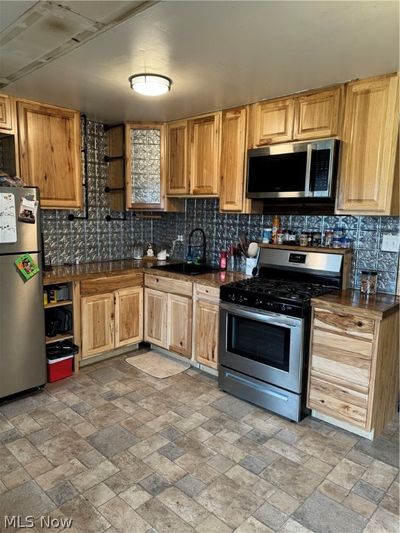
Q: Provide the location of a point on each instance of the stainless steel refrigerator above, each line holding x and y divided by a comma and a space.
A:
22, 330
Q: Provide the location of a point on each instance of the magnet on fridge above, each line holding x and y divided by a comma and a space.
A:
27, 210
26, 266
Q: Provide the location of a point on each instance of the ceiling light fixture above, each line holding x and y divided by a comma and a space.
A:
150, 84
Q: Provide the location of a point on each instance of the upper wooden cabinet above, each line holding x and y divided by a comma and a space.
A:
177, 167
144, 173
6, 112
204, 153
273, 121
307, 116
233, 159
369, 140
50, 153
317, 114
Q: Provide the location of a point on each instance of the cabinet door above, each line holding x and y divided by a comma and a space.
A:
273, 121
317, 114
50, 155
177, 178
206, 333
128, 316
180, 324
144, 152
155, 317
6, 122
369, 146
233, 159
97, 317
205, 154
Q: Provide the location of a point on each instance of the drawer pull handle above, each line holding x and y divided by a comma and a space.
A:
359, 324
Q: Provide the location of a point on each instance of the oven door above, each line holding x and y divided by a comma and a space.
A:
267, 346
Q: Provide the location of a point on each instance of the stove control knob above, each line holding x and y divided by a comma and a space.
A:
283, 308
233, 297
240, 299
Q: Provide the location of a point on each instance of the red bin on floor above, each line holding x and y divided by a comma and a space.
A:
59, 368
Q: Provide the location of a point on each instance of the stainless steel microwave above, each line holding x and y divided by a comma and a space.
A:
293, 170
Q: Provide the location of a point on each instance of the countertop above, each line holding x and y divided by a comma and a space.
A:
67, 273
377, 306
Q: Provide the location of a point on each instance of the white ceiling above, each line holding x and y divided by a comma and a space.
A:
219, 54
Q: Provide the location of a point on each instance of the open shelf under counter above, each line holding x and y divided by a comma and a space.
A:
50, 305
60, 337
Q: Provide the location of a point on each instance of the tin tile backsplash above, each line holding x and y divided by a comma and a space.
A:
96, 239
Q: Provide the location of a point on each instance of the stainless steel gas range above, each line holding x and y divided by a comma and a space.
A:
265, 326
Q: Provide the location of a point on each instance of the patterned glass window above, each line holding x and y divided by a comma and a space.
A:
146, 166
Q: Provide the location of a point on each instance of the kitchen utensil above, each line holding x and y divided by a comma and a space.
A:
252, 249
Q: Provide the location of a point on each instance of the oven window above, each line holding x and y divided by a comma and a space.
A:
258, 341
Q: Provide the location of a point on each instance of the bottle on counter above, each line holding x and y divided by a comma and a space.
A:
223, 260
276, 224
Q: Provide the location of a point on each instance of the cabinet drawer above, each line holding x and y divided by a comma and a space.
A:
204, 292
175, 286
338, 401
340, 347
351, 325
111, 283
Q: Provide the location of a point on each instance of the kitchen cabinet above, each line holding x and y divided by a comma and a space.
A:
310, 115
155, 317
367, 181
206, 325
353, 376
128, 316
97, 319
179, 326
145, 174
232, 196
177, 165
50, 153
317, 114
204, 154
144, 151
111, 313
168, 313
273, 121
6, 112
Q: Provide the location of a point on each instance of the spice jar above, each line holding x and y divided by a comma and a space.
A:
316, 239
369, 281
279, 237
303, 238
328, 238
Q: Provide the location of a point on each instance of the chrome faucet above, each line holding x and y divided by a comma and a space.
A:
190, 256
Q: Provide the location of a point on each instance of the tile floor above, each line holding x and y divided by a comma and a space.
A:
117, 450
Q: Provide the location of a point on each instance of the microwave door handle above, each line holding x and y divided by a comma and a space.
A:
307, 191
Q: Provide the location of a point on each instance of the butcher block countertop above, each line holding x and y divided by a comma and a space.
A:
84, 271
377, 306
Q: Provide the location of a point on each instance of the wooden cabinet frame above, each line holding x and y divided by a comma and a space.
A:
71, 152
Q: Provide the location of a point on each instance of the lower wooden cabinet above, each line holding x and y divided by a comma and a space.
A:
353, 370
206, 325
168, 314
179, 324
111, 320
155, 317
97, 319
128, 316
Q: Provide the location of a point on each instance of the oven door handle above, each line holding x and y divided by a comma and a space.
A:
257, 387
262, 316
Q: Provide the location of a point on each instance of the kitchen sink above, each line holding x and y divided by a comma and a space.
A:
186, 268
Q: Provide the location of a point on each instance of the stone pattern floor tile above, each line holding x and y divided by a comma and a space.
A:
113, 448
